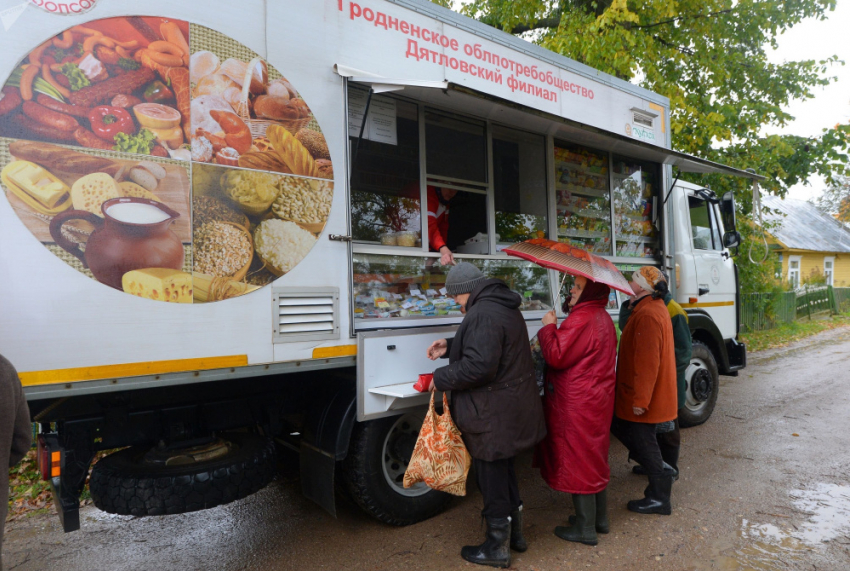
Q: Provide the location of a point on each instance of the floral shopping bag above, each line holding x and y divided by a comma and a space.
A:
440, 458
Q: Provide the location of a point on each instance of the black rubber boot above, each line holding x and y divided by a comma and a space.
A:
495, 551
602, 524
584, 528
672, 469
518, 543
657, 500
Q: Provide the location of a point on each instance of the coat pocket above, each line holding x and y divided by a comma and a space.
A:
472, 412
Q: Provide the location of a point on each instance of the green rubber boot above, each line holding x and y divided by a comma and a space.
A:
584, 528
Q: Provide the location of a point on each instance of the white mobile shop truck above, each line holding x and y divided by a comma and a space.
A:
299, 253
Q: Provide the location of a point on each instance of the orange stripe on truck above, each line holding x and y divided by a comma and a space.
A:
338, 351
708, 304
31, 378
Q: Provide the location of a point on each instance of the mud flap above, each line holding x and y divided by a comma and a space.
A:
317, 476
324, 442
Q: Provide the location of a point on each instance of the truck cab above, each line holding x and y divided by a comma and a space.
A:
708, 289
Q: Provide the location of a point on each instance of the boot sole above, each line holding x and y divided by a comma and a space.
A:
496, 564
655, 511
602, 530
583, 541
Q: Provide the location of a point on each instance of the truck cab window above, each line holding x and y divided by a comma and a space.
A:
519, 185
704, 237
385, 194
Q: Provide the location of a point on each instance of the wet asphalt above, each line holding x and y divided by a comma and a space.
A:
765, 485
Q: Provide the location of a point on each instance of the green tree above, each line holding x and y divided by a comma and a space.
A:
710, 58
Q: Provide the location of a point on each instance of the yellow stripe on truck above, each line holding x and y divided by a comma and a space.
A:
338, 351
709, 304
31, 378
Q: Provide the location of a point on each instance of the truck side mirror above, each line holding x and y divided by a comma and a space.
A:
732, 239
727, 213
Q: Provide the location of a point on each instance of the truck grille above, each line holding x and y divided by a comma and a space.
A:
306, 314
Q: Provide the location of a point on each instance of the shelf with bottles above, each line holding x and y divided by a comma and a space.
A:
583, 190
637, 247
582, 168
599, 246
577, 233
584, 212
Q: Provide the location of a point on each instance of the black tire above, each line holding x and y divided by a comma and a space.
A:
368, 486
122, 484
703, 384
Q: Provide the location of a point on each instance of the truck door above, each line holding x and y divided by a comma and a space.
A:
715, 270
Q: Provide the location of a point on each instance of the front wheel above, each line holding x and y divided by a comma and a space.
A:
373, 471
703, 384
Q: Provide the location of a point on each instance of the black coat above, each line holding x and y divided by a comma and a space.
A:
495, 400
15, 432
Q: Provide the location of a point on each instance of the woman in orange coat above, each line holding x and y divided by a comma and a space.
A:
646, 386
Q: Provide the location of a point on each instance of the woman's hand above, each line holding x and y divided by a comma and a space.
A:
550, 318
437, 350
446, 256
432, 387
638, 411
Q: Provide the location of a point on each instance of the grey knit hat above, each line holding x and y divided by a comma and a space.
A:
463, 278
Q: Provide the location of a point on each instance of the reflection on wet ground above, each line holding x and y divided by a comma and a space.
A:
772, 547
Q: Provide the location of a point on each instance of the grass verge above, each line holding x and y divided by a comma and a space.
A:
790, 332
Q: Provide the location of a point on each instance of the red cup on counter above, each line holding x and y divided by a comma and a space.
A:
424, 382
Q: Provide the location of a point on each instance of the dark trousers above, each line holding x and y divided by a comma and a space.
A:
640, 439
498, 485
669, 444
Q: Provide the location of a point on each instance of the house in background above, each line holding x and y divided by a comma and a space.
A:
808, 241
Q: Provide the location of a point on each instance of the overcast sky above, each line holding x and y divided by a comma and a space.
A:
818, 40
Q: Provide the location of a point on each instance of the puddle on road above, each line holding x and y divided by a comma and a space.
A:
769, 547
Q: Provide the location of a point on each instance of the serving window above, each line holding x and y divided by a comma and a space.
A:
385, 198
442, 180
519, 186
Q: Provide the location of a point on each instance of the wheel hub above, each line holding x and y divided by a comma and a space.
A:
701, 385
398, 449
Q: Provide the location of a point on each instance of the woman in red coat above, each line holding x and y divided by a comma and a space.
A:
579, 404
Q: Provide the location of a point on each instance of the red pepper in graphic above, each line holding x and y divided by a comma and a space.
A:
107, 121
157, 92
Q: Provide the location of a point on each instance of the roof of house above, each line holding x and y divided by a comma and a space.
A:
804, 227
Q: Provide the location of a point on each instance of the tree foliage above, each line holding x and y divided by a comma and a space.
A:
710, 58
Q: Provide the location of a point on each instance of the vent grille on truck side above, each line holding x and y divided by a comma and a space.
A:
642, 119
305, 314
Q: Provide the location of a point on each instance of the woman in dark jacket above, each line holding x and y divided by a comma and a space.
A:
495, 401
579, 404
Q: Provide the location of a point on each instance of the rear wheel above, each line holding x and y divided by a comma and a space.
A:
373, 471
703, 384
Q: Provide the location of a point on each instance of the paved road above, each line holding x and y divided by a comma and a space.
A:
765, 486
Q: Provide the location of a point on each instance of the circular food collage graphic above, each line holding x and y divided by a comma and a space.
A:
163, 159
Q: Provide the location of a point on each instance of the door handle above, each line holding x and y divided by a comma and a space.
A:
703, 290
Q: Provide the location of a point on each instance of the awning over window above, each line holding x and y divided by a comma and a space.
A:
465, 100
383, 84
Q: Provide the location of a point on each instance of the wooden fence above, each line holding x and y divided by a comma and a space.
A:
761, 311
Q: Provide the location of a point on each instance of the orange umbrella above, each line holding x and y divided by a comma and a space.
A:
575, 261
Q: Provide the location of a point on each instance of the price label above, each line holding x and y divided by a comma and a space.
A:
528, 294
